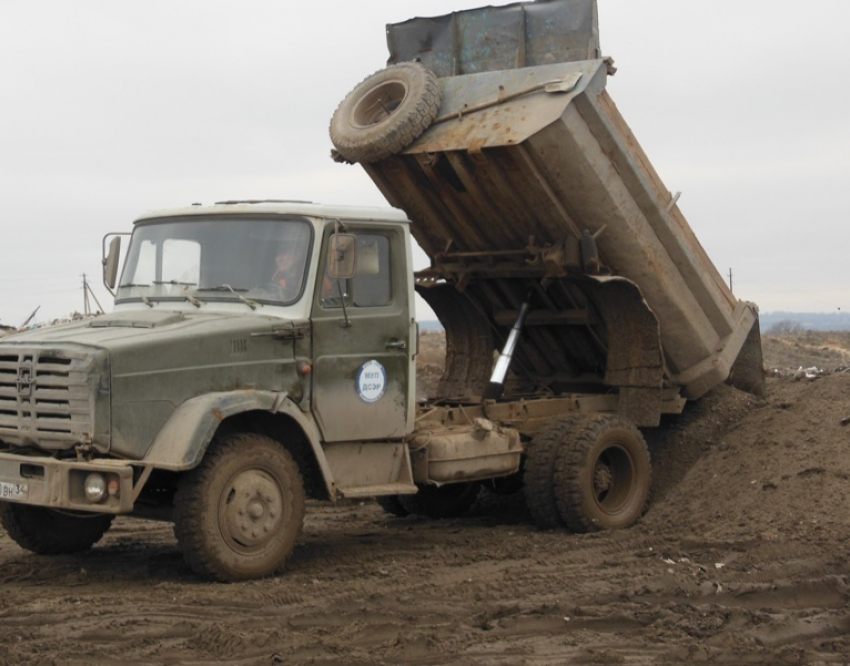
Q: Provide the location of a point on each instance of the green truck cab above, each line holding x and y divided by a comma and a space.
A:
218, 394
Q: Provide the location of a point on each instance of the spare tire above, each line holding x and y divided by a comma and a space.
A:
386, 112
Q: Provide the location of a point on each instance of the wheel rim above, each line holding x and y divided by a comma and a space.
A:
251, 510
378, 104
613, 479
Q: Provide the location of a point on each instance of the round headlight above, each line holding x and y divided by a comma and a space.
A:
95, 487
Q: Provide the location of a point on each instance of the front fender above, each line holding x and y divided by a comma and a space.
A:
184, 438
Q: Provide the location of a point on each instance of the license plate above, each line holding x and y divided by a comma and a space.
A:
13, 491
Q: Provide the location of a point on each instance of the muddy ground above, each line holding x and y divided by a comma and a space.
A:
742, 558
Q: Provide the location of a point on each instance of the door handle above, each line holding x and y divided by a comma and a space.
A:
396, 344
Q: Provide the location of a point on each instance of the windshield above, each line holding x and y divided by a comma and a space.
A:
225, 258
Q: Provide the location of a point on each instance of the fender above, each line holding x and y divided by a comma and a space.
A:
184, 439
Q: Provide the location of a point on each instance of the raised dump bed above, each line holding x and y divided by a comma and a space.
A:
528, 187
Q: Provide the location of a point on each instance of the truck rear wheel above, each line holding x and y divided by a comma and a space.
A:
602, 475
386, 112
448, 501
238, 514
52, 532
539, 471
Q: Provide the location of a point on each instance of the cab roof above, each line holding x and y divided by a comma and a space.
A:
281, 207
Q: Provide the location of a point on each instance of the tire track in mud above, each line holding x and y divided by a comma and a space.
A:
430, 589
426, 591
704, 613
468, 588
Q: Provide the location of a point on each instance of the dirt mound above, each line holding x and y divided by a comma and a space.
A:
828, 350
762, 469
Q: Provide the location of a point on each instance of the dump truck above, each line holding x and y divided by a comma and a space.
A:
263, 353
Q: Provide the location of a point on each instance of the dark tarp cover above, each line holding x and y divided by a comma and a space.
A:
486, 39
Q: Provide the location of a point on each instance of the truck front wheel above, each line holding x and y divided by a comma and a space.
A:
50, 531
238, 514
602, 475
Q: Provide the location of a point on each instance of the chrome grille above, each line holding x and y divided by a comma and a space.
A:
46, 397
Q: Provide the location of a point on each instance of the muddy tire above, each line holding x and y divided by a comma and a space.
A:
51, 532
449, 501
386, 112
539, 471
392, 504
602, 475
238, 514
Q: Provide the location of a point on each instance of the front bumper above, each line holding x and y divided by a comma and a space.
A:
59, 484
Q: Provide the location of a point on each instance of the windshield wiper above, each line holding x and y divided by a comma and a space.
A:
194, 301
226, 287
185, 284
222, 287
121, 286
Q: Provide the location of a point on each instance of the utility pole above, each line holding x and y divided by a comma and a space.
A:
730, 279
87, 291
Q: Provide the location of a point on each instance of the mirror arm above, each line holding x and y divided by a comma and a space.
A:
346, 323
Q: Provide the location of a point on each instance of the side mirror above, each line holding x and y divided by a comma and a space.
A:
342, 258
110, 263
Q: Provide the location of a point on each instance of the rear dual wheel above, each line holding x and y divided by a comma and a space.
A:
588, 473
539, 471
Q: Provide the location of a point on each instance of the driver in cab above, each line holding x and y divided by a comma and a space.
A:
288, 274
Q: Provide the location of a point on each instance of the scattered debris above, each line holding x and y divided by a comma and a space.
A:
809, 373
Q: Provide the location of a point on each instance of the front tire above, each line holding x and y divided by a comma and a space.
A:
238, 514
602, 475
52, 532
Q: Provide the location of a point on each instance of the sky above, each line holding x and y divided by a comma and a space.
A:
111, 108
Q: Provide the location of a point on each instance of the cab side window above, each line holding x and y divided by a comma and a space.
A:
371, 285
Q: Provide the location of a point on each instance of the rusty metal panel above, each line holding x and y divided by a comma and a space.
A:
512, 105
498, 38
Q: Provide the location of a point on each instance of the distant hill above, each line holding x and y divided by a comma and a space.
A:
808, 321
804, 321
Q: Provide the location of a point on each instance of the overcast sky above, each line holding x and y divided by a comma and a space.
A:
111, 108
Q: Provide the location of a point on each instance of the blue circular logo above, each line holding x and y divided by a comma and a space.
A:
371, 381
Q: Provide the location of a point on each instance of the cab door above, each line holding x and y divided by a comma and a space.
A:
363, 377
